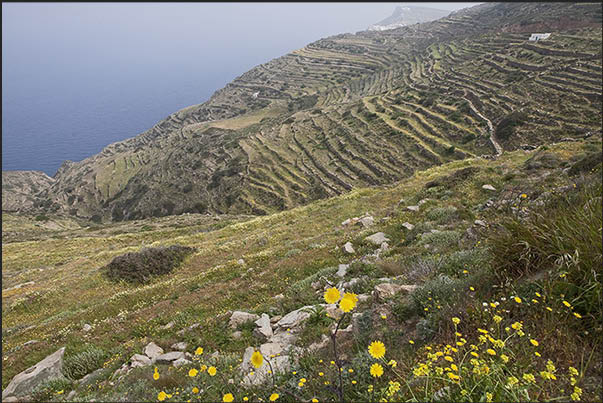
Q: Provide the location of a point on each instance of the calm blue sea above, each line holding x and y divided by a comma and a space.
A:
47, 122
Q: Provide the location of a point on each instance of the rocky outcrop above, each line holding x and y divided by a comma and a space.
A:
25, 382
239, 317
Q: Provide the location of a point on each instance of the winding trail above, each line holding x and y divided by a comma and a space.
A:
497, 147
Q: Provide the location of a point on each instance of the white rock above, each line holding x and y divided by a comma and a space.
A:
152, 351
346, 222
294, 318
263, 329
86, 327
412, 208
488, 187
237, 335
179, 346
342, 270
480, 222
334, 312
422, 201
348, 248
168, 326
170, 357
367, 221
388, 290
26, 381
239, 317
241, 262
180, 362
408, 226
139, 360
280, 364
279, 297
377, 238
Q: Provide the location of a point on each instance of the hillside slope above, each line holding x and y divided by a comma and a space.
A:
355, 110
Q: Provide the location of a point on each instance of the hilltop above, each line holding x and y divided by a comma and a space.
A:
351, 111
408, 15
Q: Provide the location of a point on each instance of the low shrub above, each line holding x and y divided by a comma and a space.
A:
140, 267
81, 364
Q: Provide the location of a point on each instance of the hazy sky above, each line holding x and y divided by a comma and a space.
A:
88, 74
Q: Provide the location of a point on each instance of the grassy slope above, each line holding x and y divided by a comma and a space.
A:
282, 249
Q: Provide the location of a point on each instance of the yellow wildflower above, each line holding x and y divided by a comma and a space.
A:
453, 376
199, 351
60, 392
257, 359
534, 342
497, 318
376, 370
228, 398
348, 302
454, 367
212, 371
517, 299
376, 349
161, 396
516, 325
332, 295
321, 374
411, 341
489, 397
529, 378
504, 358
456, 320
567, 304
203, 367
156, 374
537, 354
192, 372
577, 315
573, 371
449, 358
512, 381
273, 397
391, 363
195, 390
490, 351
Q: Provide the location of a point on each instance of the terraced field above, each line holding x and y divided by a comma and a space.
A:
355, 110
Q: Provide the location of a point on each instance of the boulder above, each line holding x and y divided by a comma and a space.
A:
170, 357
348, 248
139, 360
377, 238
239, 317
412, 208
342, 270
179, 346
294, 318
488, 187
263, 329
408, 226
152, 351
26, 381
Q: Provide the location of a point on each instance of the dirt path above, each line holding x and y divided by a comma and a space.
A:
497, 147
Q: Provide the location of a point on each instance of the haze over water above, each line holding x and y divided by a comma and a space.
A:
77, 77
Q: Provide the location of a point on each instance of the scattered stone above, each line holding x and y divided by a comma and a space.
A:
342, 270
139, 360
170, 357
408, 226
367, 221
412, 208
239, 317
388, 290
275, 319
168, 326
180, 362
480, 222
377, 238
264, 330
423, 201
316, 285
351, 283
241, 262
186, 329
319, 345
363, 297
26, 381
237, 335
86, 327
294, 318
334, 312
488, 187
348, 248
279, 297
179, 346
279, 364
284, 338
27, 343
71, 395
20, 286
152, 351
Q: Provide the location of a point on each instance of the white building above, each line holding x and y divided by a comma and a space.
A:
538, 37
